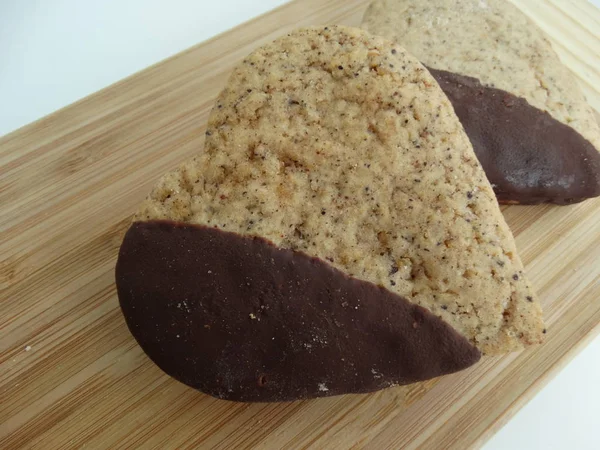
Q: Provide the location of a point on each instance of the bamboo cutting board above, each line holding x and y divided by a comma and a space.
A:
72, 375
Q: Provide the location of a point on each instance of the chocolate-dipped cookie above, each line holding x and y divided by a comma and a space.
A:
336, 235
523, 111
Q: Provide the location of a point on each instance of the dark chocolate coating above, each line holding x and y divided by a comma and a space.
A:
528, 156
241, 319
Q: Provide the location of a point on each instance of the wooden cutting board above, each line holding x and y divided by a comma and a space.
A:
72, 375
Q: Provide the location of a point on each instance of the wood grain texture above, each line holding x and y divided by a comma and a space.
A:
71, 374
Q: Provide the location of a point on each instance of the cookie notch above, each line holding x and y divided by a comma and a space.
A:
240, 319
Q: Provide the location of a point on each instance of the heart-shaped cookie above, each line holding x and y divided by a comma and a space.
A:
337, 234
523, 111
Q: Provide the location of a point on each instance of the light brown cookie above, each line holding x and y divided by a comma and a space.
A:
334, 144
529, 155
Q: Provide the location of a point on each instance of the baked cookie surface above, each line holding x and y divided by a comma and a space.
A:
492, 41
335, 144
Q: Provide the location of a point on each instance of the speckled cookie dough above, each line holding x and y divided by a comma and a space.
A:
492, 41
339, 144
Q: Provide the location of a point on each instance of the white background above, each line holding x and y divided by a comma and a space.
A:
55, 52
